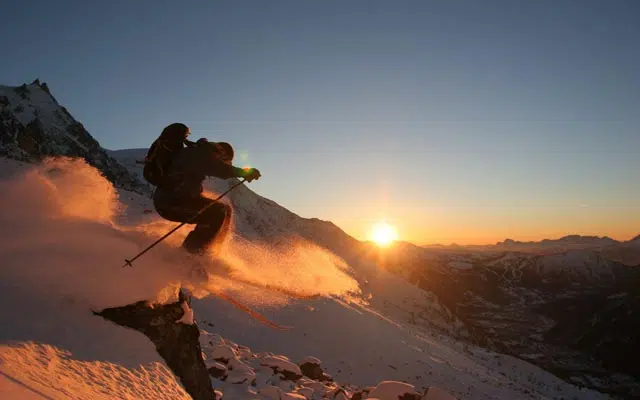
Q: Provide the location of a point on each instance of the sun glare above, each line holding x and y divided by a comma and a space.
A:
383, 234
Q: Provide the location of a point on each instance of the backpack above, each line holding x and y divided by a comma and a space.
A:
162, 152
158, 161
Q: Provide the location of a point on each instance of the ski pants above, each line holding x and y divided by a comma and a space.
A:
212, 224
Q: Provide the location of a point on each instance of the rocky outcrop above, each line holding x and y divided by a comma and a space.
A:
310, 367
239, 373
176, 340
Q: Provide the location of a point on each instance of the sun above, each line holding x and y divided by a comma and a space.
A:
383, 234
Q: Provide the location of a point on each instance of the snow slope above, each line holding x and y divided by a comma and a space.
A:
65, 232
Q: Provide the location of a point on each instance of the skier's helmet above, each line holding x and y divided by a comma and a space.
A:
175, 132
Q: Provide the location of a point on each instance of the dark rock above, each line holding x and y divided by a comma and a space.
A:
362, 393
23, 91
311, 370
336, 392
289, 375
31, 137
218, 373
358, 396
45, 87
177, 343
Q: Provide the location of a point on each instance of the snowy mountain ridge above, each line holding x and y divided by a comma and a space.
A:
574, 264
544, 246
567, 240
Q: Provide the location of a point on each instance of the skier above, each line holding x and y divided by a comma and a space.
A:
178, 167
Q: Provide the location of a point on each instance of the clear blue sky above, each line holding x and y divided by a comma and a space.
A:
458, 121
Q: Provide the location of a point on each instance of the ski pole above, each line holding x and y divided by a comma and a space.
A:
128, 262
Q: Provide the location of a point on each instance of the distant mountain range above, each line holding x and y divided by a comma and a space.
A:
566, 242
570, 240
626, 252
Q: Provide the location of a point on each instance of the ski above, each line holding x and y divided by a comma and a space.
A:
274, 288
201, 270
253, 313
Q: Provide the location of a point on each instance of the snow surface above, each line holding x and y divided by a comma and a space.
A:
281, 363
311, 360
389, 390
223, 352
581, 263
62, 245
38, 104
434, 393
187, 317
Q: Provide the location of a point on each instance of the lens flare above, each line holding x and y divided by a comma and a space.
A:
383, 234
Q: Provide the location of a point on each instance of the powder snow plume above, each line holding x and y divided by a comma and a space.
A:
295, 266
299, 266
58, 238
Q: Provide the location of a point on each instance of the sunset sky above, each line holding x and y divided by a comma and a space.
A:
455, 121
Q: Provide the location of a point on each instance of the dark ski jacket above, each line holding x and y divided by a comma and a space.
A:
188, 170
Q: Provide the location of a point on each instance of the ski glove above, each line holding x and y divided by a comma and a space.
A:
249, 174
252, 174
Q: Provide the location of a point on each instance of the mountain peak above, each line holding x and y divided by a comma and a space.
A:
44, 87
33, 126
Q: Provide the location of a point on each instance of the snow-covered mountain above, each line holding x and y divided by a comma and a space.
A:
33, 125
347, 327
627, 253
